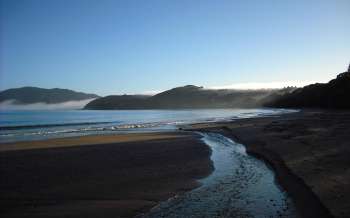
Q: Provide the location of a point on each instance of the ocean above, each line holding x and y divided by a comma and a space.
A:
26, 125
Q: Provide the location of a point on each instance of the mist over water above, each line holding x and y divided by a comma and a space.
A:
23, 125
68, 105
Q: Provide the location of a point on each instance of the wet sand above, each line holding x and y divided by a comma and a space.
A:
99, 176
85, 141
309, 152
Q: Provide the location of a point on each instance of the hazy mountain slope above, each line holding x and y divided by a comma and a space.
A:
198, 97
118, 102
187, 97
30, 95
334, 94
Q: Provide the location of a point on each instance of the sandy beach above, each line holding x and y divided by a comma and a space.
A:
125, 175
99, 176
309, 152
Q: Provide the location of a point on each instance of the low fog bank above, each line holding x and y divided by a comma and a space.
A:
68, 105
263, 85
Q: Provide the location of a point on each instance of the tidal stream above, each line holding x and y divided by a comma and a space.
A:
240, 186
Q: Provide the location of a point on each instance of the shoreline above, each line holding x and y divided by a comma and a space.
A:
87, 140
307, 150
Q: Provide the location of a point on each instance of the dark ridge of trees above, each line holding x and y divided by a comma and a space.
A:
332, 95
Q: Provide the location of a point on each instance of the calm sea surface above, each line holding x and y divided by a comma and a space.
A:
36, 125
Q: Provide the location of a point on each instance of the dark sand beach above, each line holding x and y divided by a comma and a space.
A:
125, 175
99, 176
309, 152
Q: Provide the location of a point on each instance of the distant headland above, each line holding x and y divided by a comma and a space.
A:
333, 95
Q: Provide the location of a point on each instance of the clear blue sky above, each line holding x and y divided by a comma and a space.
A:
114, 47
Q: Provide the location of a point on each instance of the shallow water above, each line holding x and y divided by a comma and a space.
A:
240, 186
37, 125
